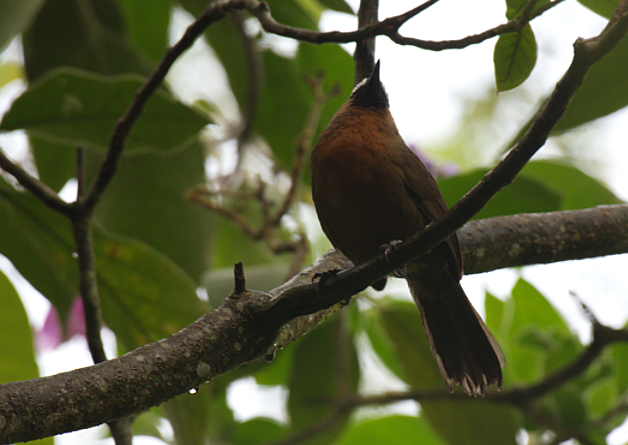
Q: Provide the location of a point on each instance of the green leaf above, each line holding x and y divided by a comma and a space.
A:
516, 7
380, 341
391, 430
148, 27
619, 352
15, 15
56, 163
514, 58
577, 190
88, 35
296, 13
477, 422
528, 313
16, 339
283, 106
542, 186
315, 380
253, 431
338, 5
146, 200
402, 324
605, 8
525, 195
81, 109
601, 397
144, 295
603, 92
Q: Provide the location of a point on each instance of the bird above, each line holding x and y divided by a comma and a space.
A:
370, 191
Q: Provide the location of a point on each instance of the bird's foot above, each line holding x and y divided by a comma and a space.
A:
320, 278
385, 249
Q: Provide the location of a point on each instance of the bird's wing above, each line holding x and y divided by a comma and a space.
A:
422, 187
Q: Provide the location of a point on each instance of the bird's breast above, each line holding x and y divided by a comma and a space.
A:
359, 192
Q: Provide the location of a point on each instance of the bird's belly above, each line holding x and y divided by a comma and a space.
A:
364, 209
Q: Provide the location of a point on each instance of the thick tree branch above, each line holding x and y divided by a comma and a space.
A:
521, 240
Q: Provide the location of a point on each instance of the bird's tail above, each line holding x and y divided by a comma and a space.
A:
466, 351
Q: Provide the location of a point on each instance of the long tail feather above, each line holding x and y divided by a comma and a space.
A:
466, 351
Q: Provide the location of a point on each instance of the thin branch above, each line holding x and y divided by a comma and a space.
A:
388, 27
35, 186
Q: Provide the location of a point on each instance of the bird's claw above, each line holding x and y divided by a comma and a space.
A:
387, 248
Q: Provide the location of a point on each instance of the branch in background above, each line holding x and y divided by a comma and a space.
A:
271, 221
388, 27
364, 55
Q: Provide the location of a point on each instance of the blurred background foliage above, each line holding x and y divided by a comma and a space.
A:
163, 260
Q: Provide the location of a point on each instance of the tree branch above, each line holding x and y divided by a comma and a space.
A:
35, 186
525, 239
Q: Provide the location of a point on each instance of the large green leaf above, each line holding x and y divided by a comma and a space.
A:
315, 381
604, 91
533, 335
542, 186
577, 190
88, 35
77, 108
148, 26
380, 341
56, 163
476, 421
16, 339
15, 15
146, 200
283, 106
514, 58
525, 195
391, 430
287, 94
296, 13
255, 430
144, 295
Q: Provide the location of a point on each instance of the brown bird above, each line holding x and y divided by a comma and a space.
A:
370, 190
